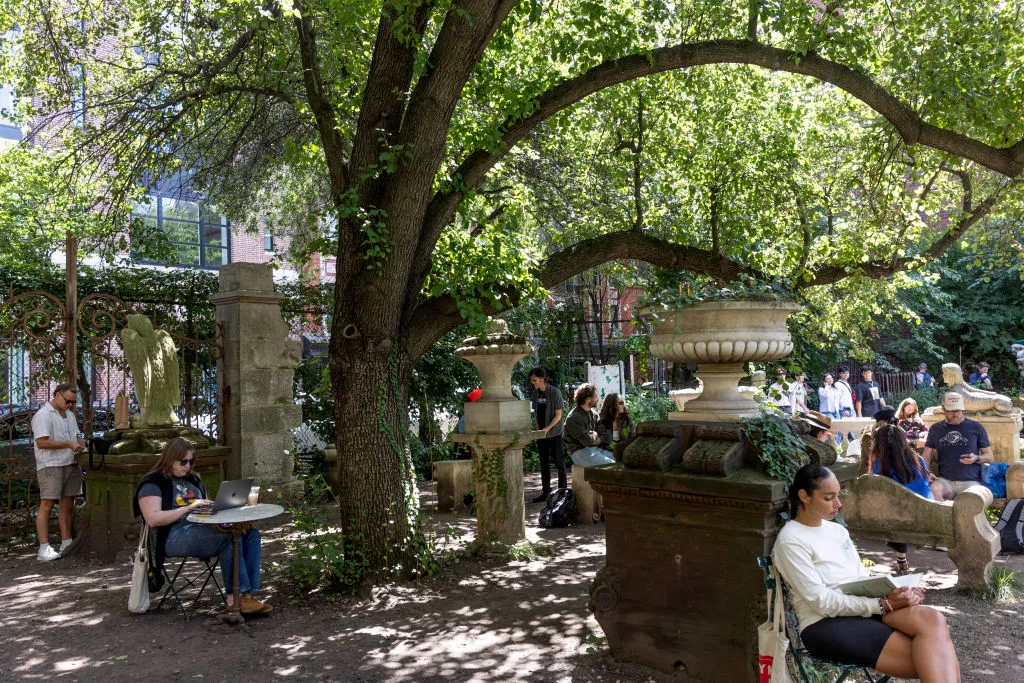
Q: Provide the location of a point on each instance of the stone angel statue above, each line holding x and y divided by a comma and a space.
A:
153, 361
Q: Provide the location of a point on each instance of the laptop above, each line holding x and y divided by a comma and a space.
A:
232, 494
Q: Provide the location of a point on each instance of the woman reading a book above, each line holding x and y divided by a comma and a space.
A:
896, 634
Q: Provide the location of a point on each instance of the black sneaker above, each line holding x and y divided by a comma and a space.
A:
542, 498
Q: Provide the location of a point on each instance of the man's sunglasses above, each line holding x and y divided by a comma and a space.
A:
69, 401
186, 462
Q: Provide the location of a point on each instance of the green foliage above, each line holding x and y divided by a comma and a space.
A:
423, 455
1004, 586
324, 558
644, 406
312, 386
780, 450
319, 559
926, 398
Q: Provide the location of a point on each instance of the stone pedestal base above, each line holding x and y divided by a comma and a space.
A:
454, 480
1003, 433
109, 527
498, 483
681, 589
588, 501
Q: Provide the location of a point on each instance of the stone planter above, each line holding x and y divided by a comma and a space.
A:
722, 337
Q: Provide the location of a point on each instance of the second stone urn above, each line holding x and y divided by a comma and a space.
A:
721, 337
498, 425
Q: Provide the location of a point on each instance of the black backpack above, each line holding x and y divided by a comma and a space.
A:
560, 510
1010, 527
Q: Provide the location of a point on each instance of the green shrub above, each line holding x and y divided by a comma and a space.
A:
644, 406
925, 398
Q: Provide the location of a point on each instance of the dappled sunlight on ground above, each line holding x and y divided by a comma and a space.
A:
481, 619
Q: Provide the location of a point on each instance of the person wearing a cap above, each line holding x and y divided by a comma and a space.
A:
868, 394
821, 425
923, 380
960, 445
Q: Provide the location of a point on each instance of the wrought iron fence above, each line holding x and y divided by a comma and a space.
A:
33, 329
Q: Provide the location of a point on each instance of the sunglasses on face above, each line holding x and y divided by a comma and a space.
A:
69, 401
186, 462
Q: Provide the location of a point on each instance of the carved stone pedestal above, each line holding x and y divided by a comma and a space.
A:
681, 589
454, 480
497, 428
687, 511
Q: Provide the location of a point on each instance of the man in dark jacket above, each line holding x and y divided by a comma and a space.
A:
547, 407
581, 436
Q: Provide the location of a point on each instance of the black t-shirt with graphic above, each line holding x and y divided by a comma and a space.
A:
869, 395
952, 441
185, 492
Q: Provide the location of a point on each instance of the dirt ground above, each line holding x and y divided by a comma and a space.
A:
480, 620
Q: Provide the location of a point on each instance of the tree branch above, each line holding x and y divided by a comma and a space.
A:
874, 270
1008, 161
323, 111
435, 317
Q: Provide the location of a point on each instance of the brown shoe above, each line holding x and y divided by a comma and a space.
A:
254, 606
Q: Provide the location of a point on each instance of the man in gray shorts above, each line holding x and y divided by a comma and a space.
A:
56, 440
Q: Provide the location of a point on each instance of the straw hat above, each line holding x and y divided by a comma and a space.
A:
816, 419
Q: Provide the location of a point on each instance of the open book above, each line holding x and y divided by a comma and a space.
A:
879, 586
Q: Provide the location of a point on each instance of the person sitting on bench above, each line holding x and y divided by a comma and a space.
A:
892, 456
896, 635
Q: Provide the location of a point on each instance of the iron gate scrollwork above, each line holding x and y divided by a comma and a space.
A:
32, 362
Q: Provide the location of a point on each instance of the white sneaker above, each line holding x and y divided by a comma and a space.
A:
64, 545
47, 554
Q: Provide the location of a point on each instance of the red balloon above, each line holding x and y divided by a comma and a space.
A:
475, 395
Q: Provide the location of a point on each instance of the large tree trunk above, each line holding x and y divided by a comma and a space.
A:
377, 483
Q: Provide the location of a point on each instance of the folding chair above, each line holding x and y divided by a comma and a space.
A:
803, 659
180, 582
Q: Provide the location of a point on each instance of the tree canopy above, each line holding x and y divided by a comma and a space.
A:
459, 156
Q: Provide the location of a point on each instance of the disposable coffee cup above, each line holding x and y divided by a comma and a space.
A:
254, 495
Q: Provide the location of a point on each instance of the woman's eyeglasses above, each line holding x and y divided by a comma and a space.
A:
186, 462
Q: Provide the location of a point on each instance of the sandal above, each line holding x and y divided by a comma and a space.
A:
902, 567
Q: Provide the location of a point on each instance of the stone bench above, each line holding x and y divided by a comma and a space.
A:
454, 480
879, 508
588, 501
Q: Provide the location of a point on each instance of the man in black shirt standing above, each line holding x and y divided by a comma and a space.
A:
547, 406
868, 394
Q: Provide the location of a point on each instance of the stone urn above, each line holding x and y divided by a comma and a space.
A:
722, 337
498, 425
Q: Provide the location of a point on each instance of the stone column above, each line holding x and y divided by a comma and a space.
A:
497, 428
254, 380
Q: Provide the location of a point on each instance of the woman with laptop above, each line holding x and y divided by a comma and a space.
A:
173, 491
896, 635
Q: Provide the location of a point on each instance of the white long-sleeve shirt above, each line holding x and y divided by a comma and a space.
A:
812, 561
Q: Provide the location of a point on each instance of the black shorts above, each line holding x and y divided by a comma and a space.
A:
847, 640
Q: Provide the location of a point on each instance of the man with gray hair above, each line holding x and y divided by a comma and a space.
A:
56, 439
960, 445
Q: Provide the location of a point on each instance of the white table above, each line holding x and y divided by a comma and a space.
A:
238, 521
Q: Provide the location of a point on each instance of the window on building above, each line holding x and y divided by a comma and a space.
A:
197, 236
268, 236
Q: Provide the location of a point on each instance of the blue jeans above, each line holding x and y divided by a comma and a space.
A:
590, 456
834, 415
188, 539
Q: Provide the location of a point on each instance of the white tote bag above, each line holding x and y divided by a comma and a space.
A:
772, 643
138, 598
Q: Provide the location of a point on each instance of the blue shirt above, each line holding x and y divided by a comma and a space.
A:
919, 486
952, 441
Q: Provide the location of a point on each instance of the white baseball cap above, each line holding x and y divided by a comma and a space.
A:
953, 401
